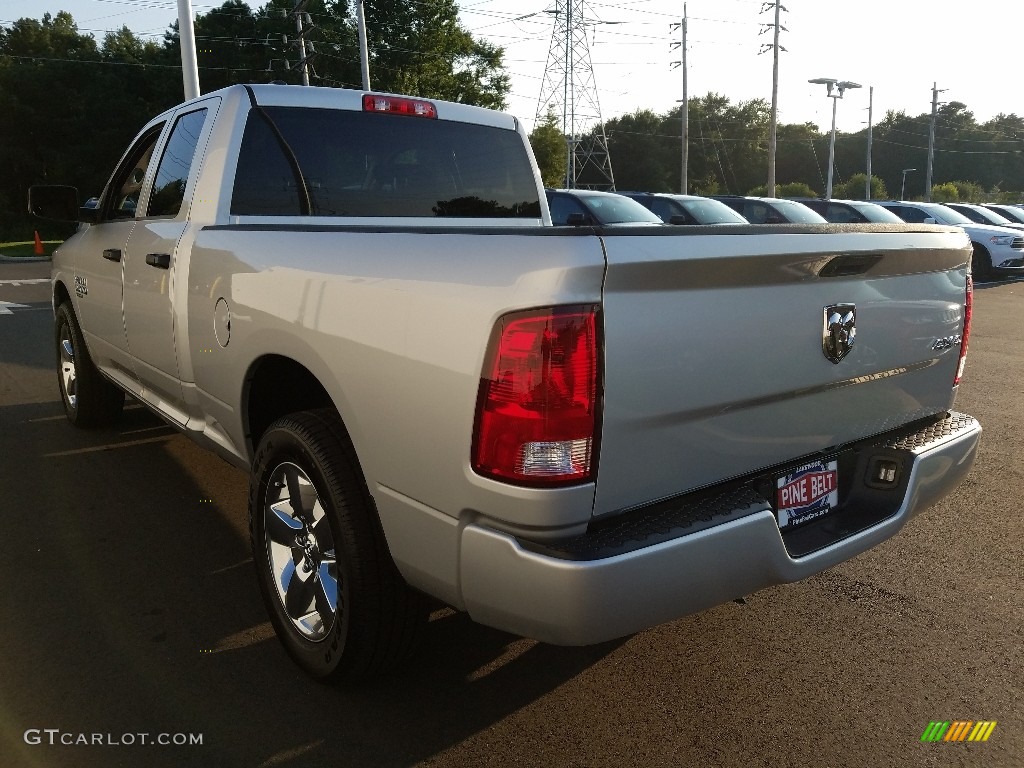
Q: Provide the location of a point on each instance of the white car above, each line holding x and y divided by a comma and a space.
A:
998, 251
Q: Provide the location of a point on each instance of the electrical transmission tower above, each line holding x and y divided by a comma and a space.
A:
569, 88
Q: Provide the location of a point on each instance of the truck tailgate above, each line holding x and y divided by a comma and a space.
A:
714, 359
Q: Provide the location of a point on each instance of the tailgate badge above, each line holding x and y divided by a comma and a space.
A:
840, 331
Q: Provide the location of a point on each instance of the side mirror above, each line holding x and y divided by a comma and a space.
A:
54, 202
679, 218
577, 220
930, 220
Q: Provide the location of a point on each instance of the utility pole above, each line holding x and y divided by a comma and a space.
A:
684, 116
867, 183
931, 142
364, 53
187, 42
773, 125
306, 50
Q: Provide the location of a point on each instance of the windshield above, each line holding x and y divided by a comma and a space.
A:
876, 213
616, 209
1014, 214
990, 217
798, 213
711, 212
943, 214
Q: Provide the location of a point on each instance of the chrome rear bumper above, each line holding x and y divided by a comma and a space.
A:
591, 591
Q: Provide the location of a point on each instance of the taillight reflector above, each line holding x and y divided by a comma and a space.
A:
968, 311
536, 420
398, 105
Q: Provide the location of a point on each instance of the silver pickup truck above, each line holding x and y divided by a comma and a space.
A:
570, 433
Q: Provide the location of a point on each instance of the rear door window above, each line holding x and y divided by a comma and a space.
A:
173, 172
756, 212
666, 209
564, 206
359, 164
911, 214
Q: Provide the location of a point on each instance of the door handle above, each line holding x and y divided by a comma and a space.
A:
112, 254
159, 260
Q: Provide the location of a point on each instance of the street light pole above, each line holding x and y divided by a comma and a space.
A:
903, 186
840, 86
867, 181
831, 150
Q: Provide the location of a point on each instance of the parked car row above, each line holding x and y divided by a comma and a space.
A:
996, 231
998, 249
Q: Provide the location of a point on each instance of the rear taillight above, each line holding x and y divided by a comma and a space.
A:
399, 105
968, 310
537, 414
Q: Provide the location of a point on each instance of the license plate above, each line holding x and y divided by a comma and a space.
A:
806, 493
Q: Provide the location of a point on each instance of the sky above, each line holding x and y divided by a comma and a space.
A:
898, 47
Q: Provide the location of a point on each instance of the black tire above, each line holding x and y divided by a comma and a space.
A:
981, 264
329, 546
90, 401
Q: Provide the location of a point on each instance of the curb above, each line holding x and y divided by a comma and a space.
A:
23, 259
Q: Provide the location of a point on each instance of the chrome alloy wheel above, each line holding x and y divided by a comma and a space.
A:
301, 554
68, 378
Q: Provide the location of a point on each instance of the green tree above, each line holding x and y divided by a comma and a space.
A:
549, 148
234, 44
729, 141
853, 188
416, 48
645, 153
945, 193
797, 156
422, 49
969, 192
791, 189
47, 77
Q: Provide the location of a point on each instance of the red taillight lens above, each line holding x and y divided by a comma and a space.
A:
397, 105
536, 421
968, 311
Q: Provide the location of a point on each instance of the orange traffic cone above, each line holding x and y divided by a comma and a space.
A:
39, 246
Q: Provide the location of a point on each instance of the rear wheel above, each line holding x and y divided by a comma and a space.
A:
981, 264
89, 399
338, 603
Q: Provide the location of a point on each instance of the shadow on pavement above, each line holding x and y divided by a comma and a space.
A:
133, 610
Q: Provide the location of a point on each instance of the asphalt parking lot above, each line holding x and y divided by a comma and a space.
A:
130, 612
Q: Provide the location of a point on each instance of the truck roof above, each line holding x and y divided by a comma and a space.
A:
316, 97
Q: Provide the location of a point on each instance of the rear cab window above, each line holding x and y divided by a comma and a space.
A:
354, 164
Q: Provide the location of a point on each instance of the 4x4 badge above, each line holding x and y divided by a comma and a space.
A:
840, 331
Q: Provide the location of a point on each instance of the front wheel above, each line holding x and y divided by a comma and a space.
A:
89, 399
338, 603
981, 264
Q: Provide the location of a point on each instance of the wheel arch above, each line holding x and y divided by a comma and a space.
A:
61, 294
981, 261
275, 386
